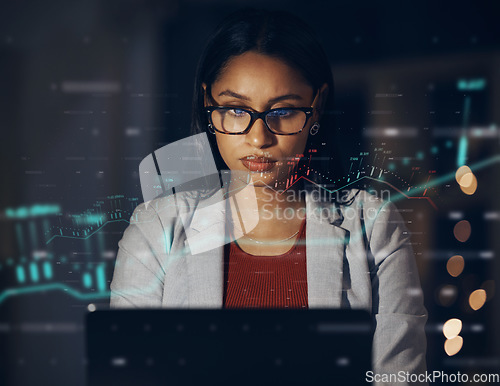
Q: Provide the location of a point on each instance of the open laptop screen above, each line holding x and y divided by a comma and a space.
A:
228, 347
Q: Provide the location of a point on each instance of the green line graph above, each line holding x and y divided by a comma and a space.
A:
88, 235
10, 292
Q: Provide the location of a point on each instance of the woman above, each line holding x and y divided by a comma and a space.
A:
261, 87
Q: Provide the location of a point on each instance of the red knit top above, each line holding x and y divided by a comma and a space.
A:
266, 281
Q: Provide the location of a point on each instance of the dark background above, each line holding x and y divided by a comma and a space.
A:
89, 88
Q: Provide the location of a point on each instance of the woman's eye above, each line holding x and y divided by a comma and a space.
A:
280, 113
237, 112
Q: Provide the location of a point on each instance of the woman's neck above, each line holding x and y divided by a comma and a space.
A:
263, 207
265, 221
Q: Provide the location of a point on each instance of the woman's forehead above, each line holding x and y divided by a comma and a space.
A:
254, 73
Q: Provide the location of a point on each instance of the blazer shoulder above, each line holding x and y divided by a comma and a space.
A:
169, 207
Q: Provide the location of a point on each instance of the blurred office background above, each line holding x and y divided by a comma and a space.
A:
89, 88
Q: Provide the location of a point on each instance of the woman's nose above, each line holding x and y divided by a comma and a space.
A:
259, 136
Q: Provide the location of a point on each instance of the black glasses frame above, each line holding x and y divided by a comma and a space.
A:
256, 115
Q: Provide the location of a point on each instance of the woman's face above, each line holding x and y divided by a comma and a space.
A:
258, 82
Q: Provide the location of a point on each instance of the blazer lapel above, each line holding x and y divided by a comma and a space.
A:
325, 250
204, 245
206, 279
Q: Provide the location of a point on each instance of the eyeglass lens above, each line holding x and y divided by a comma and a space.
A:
284, 121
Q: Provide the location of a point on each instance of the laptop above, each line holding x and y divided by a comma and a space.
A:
237, 347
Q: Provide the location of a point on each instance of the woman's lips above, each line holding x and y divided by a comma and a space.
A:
256, 164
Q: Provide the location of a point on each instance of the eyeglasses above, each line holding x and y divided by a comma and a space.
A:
280, 121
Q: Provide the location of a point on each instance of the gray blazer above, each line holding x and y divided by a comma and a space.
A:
358, 256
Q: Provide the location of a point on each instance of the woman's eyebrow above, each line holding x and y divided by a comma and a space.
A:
234, 95
274, 100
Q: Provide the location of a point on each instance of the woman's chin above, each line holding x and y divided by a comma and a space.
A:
267, 180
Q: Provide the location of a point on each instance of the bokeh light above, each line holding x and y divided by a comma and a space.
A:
462, 171
466, 179
452, 328
477, 299
455, 265
470, 188
462, 231
453, 346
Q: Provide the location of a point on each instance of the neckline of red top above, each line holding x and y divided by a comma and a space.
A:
298, 240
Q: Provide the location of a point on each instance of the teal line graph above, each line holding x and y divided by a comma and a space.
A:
10, 292
92, 220
88, 235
